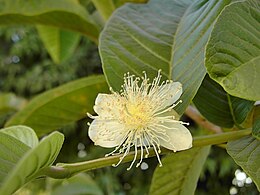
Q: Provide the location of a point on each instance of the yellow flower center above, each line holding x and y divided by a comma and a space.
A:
138, 115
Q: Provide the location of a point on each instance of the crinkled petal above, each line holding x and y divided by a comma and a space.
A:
169, 94
106, 133
179, 137
108, 105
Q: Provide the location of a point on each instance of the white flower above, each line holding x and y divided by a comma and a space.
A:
140, 116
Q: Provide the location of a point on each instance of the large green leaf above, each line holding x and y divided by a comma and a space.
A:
23, 134
60, 106
10, 102
34, 160
219, 107
59, 43
170, 35
68, 14
233, 51
246, 153
179, 173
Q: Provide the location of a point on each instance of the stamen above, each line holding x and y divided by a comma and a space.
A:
157, 155
143, 116
134, 158
91, 116
142, 153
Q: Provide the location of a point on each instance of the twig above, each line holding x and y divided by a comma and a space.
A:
194, 114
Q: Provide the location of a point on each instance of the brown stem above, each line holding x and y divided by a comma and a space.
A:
194, 114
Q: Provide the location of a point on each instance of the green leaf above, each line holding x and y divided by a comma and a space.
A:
78, 184
60, 106
11, 151
23, 134
219, 107
119, 3
60, 44
246, 153
168, 35
36, 159
180, 172
68, 14
10, 102
233, 51
105, 8
256, 122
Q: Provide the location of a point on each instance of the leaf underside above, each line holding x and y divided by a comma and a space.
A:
167, 35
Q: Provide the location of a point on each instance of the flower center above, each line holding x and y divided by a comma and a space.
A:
138, 115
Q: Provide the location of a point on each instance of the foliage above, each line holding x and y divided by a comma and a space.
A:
30, 158
230, 111
210, 46
233, 59
245, 153
49, 105
181, 170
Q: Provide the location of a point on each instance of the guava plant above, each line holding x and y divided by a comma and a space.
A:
161, 60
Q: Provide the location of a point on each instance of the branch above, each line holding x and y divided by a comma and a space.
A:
66, 170
194, 114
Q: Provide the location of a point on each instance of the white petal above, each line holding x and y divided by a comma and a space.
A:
174, 91
107, 105
106, 133
180, 137
169, 94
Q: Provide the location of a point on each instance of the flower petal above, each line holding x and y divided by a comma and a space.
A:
169, 94
108, 105
180, 137
174, 91
106, 133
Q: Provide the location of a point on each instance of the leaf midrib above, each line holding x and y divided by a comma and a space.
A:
222, 78
174, 42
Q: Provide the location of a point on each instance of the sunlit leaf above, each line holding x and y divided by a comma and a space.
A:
33, 161
23, 134
246, 153
105, 8
10, 102
60, 106
233, 51
11, 151
179, 173
68, 14
168, 35
59, 43
219, 107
